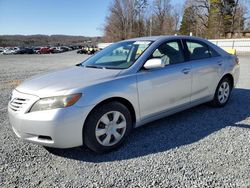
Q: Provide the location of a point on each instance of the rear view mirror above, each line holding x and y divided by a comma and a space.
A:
127, 47
154, 63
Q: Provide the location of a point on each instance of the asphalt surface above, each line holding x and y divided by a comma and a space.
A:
200, 147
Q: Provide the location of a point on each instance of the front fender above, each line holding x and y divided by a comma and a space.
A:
124, 87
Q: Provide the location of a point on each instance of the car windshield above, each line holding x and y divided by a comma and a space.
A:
117, 56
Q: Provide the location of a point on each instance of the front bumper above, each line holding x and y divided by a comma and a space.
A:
59, 128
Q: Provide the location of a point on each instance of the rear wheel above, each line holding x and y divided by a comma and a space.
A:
222, 93
107, 127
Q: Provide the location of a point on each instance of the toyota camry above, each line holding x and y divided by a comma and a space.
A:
98, 102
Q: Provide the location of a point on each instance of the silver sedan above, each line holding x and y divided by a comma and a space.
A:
130, 83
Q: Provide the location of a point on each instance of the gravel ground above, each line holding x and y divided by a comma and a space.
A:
200, 147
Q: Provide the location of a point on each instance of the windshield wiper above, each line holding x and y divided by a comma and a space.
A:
94, 66
79, 64
113, 68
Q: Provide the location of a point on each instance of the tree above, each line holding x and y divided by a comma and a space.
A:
214, 19
188, 23
126, 20
163, 21
140, 6
226, 17
204, 18
202, 9
176, 17
247, 24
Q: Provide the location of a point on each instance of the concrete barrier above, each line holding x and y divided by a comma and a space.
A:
242, 46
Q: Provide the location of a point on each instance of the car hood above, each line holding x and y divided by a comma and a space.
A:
66, 80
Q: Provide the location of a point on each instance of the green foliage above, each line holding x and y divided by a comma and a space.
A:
188, 21
221, 17
213, 18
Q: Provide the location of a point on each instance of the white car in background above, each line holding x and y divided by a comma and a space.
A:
10, 50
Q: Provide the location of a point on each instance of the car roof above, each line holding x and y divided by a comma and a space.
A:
163, 37
172, 37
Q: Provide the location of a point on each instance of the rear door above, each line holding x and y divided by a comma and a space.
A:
206, 66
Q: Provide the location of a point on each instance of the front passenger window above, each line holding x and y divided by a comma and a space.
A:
169, 52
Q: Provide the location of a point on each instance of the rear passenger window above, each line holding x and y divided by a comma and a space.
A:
169, 52
197, 50
213, 52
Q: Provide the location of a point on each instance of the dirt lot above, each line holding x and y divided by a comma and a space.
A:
200, 147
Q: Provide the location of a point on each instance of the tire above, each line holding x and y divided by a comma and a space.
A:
222, 95
101, 132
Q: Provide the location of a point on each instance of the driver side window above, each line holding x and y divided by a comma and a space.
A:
169, 52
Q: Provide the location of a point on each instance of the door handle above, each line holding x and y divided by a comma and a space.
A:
185, 71
219, 63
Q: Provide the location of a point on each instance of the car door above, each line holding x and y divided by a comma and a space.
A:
205, 69
165, 88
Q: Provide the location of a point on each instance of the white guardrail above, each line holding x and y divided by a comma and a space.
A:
240, 45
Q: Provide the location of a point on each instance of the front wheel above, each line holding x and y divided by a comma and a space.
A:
222, 93
107, 127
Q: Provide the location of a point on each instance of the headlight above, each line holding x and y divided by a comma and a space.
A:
55, 102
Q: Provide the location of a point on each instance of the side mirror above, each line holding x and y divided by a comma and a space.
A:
154, 63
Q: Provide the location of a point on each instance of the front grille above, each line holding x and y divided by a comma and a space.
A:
18, 103
21, 102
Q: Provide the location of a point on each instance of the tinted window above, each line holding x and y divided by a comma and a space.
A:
169, 52
213, 52
197, 50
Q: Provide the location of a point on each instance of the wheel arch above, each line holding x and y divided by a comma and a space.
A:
121, 100
214, 101
230, 77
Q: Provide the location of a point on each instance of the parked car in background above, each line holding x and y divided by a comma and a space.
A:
74, 47
45, 50
88, 50
80, 51
1, 50
24, 51
10, 50
129, 83
56, 50
36, 49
